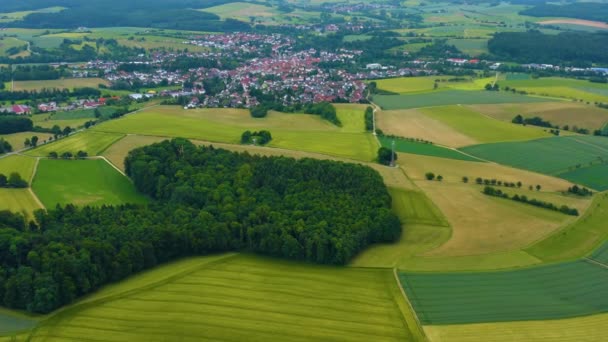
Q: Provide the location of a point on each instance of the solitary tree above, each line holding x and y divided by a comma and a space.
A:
81, 155
67, 155
53, 155
384, 156
465, 179
538, 187
519, 184
34, 141
430, 176
440, 178
3, 181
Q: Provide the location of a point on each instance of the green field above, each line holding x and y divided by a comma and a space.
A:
601, 254
561, 87
238, 297
546, 292
554, 156
472, 47
450, 97
82, 182
592, 176
11, 322
65, 83
406, 146
16, 163
17, 140
18, 200
83, 114
413, 207
291, 131
480, 127
89, 141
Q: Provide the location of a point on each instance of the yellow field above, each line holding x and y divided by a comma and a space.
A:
18, 200
483, 224
412, 123
66, 83
20, 164
241, 10
17, 139
403, 85
558, 113
581, 329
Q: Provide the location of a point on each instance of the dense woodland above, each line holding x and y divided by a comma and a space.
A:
580, 10
203, 200
14, 124
576, 48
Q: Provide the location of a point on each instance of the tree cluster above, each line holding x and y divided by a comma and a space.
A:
369, 119
5, 146
494, 182
14, 124
258, 138
431, 176
580, 191
564, 209
386, 155
14, 180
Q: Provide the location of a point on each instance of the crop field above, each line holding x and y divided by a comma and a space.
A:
413, 207
453, 170
17, 140
83, 114
450, 97
48, 121
591, 176
472, 47
18, 200
550, 156
482, 224
482, 128
403, 85
241, 11
545, 292
82, 182
241, 298
601, 254
291, 131
580, 329
406, 146
7, 43
561, 87
66, 83
91, 142
412, 123
558, 113
16, 163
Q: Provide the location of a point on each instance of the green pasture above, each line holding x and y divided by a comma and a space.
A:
82, 182
472, 47
301, 132
481, 127
554, 156
592, 176
414, 207
238, 297
17, 163
406, 146
17, 140
546, 292
450, 97
89, 141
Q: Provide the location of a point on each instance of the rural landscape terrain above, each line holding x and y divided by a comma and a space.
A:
303, 170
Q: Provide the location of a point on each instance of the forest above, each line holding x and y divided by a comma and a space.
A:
14, 124
579, 10
203, 200
577, 48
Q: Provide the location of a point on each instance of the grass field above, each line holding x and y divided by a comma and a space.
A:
16, 163
413, 207
472, 47
404, 85
89, 141
558, 113
83, 113
46, 121
546, 292
581, 329
592, 176
561, 87
17, 139
482, 128
11, 322
551, 156
242, 11
450, 97
241, 298
18, 200
66, 83
412, 123
601, 254
405, 146
82, 182
300, 132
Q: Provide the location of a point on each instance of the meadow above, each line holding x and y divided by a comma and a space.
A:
242, 11
406, 146
482, 128
592, 176
404, 85
413, 207
65, 83
300, 132
546, 292
561, 87
450, 97
17, 140
48, 121
82, 182
17, 163
555, 156
236, 297
89, 141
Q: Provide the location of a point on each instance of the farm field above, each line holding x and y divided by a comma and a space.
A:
242, 11
412, 123
404, 85
483, 225
561, 87
66, 83
18, 200
601, 254
406, 146
7, 43
17, 163
241, 297
11, 322
580, 329
546, 292
46, 121
592, 176
480, 127
17, 139
553, 156
472, 47
413, 207
89, 141
291, 131
82, 182
450, 97
558, 113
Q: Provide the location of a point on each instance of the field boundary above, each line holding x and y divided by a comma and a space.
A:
409, 304
595, 262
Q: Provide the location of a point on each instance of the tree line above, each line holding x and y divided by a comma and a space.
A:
14, 124
262, 137
564, 209
203, 200
323, 109
14, 180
